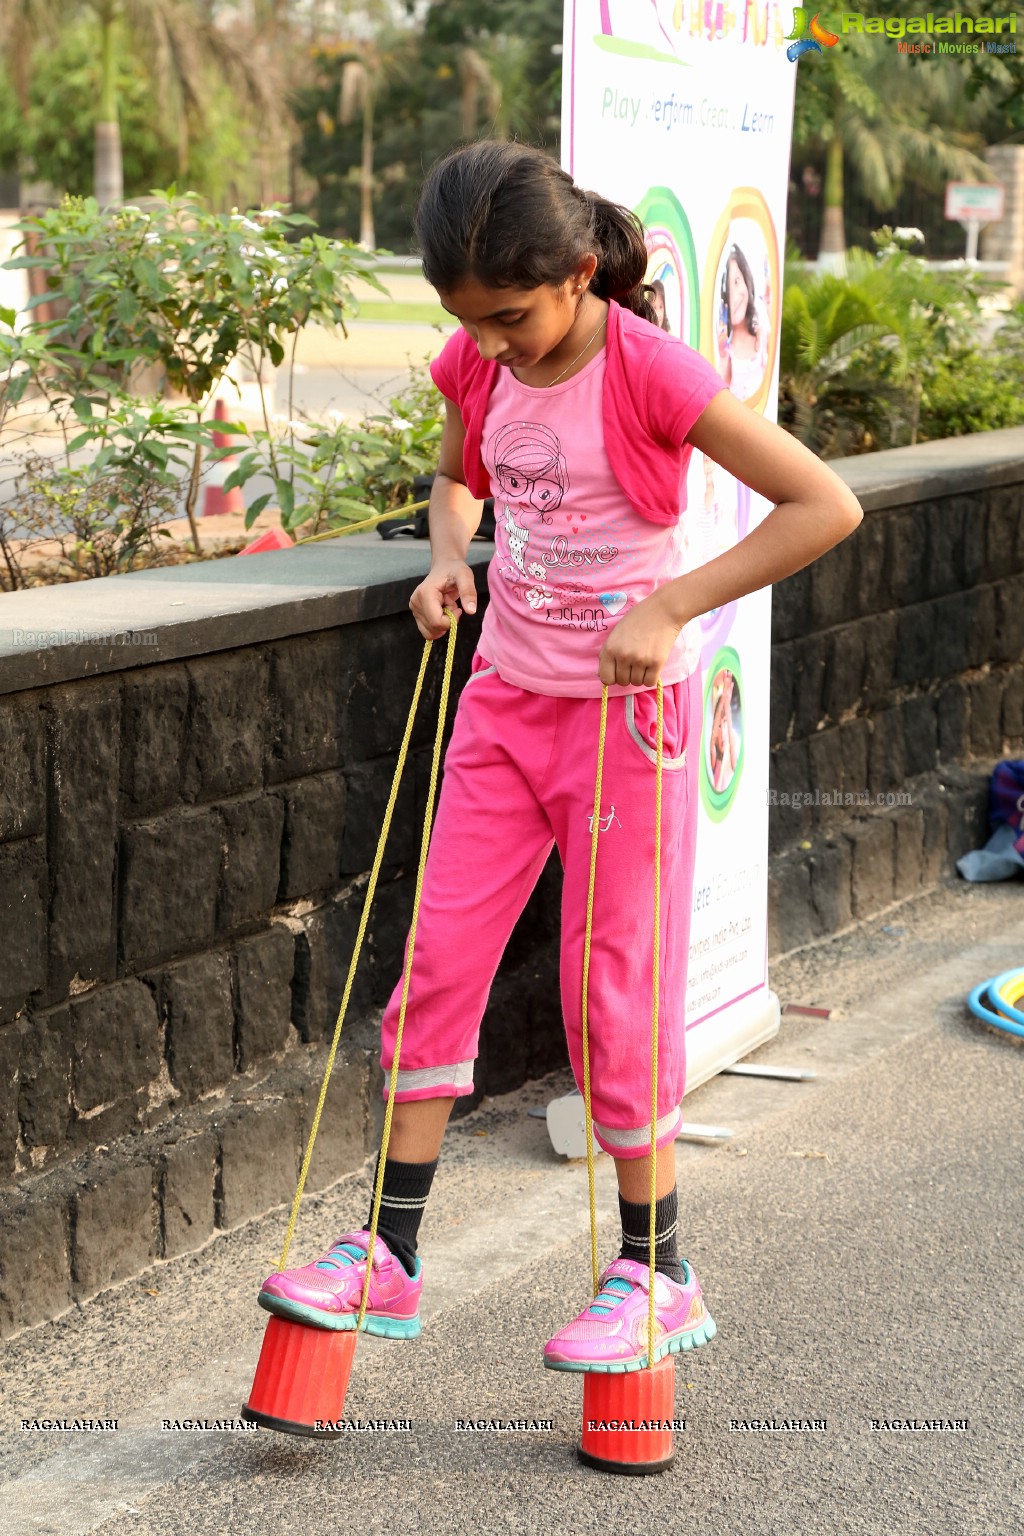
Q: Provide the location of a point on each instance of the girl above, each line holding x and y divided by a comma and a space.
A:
569, 406
743, 339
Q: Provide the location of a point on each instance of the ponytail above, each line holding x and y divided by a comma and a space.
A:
622, 256
509, 216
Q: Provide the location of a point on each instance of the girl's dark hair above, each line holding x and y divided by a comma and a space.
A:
736, 255
509, 216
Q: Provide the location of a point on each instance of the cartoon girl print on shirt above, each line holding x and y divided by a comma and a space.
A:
530, 466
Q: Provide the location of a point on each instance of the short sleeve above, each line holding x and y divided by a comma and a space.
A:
681, 383
445, 370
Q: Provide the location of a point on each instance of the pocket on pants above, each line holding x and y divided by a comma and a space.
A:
640, 720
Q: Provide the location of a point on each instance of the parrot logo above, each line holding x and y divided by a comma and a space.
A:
819, 35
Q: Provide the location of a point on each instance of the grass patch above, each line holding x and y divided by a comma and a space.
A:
396, 313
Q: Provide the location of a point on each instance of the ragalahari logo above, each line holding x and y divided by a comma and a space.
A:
804, 44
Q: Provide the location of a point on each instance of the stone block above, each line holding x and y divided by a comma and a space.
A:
982, 632
23, 918
1002, 523
934, 857
548, 1049
954, 723
952, 649
116, 1060
170, 878
872, 845
1008, 643
154, 716
194, 997
830, 864
532, 932
114, 1227
226, 740
341, 1140
386, 660
44, 1091
834, 586
35, 1274
323, 953
909, 856
10, 1057
504, 1054
388, 932
260, 1154
825, 761
23, 780
986, 696
781, 683
855, 737
791, 603
873, 588
809, 670
920, 734
310, 680
1013, 708
264, 968
844, 670
975, 539
185, 1171
790, 918
915, 645
945, 558
908, 563
880, 646
368, 789
84, 730
789, 816
314, 826
250, 871
886, 755
967, 826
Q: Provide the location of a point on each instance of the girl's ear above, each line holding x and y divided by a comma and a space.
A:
584, 273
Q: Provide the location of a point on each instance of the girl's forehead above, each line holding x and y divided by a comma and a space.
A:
475, 301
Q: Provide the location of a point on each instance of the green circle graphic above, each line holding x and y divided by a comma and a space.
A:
661, 209
718, 801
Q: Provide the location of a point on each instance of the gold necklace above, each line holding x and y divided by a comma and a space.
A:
576, 359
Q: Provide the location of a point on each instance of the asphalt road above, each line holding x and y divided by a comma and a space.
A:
859, 1242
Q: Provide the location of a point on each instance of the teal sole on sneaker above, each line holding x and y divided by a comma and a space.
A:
340, 1322
677, 1345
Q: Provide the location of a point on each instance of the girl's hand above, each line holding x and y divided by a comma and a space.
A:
446, 584
639, 645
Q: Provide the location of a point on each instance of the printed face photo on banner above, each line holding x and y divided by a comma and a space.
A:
722, 740
743, 305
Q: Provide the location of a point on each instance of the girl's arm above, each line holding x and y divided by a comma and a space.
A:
813, 510
453, 517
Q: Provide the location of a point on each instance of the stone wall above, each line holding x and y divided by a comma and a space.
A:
195, 764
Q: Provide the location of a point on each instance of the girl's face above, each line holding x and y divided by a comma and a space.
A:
516, 327
739, 294
658, 305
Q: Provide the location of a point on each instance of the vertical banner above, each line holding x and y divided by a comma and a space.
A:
682, 110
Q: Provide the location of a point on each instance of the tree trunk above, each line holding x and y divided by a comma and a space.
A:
832, 250
367, 235
108, 170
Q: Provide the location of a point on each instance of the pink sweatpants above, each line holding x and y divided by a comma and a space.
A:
519, 776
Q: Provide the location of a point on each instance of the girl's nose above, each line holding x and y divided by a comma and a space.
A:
489, 343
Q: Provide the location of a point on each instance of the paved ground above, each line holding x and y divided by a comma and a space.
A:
859, 1243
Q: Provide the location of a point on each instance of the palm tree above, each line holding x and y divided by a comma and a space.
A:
364, 75
887, 115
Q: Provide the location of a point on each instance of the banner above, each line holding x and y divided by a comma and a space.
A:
682, 110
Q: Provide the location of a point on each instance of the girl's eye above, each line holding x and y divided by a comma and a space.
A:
517, 321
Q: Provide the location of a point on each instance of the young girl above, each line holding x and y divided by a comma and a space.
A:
568, 405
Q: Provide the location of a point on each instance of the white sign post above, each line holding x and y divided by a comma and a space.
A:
682, 111
972, 204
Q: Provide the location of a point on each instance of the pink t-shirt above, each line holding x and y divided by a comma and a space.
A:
571, 556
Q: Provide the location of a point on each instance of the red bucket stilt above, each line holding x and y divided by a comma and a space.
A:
301, 1378
628, 1420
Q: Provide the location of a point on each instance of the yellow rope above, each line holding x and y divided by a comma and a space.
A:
367, 904
654, 1016
366, 522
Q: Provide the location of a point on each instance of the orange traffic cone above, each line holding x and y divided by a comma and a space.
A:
216, 500
274, 538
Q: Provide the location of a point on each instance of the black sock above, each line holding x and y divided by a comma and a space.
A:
402, 1201
636, 1234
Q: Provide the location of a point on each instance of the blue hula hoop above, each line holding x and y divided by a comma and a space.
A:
984, 1001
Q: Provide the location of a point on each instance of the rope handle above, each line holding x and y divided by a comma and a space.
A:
364, 919
594, 827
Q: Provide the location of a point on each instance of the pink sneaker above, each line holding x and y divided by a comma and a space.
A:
610, 1333
327, 1292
